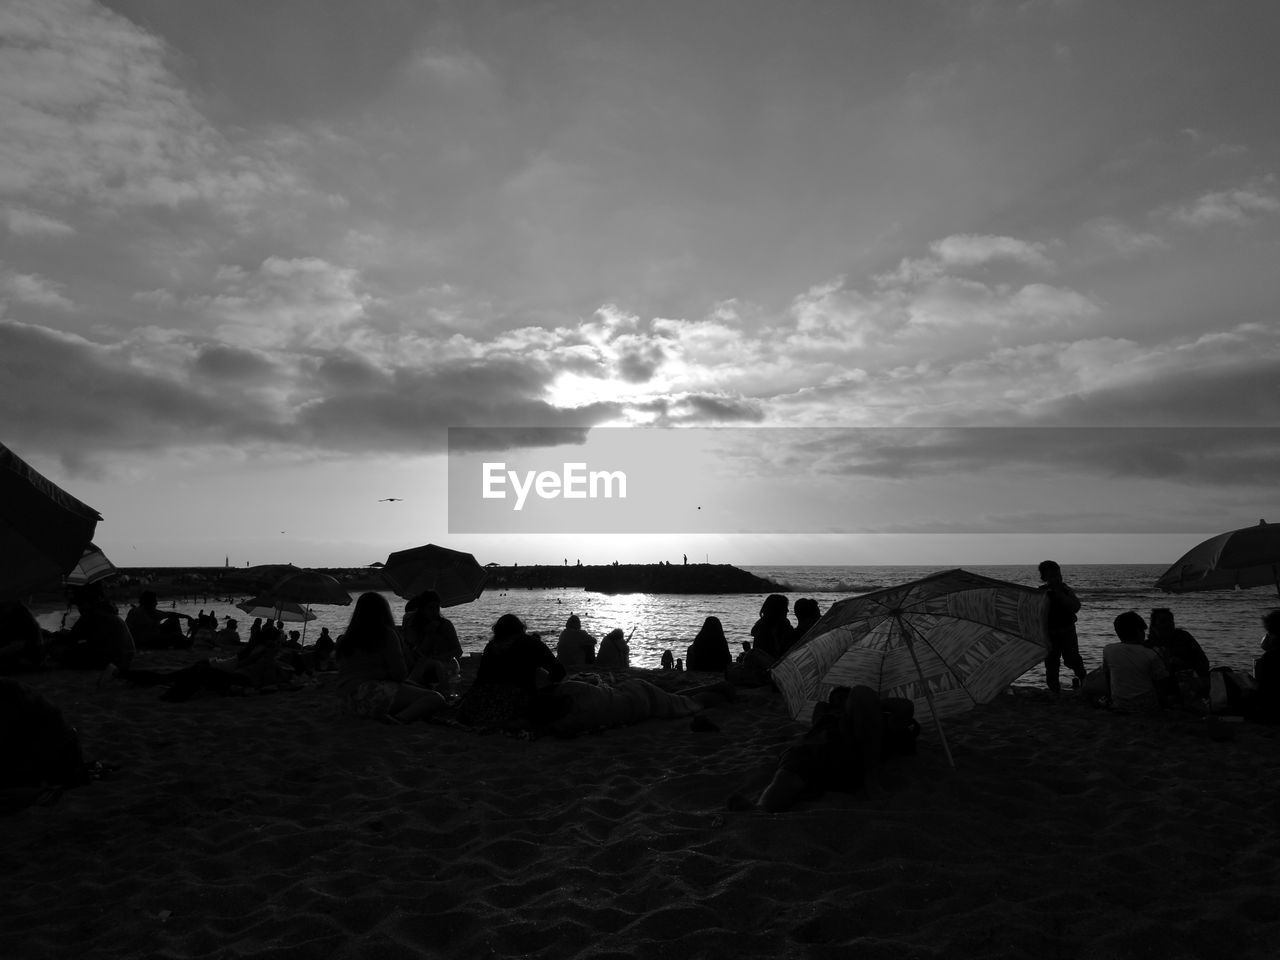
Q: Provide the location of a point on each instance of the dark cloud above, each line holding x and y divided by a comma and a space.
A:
1230, 456
639, 364
414, 410
231, 363
60, 393
1243, 393
723, 410
349, 370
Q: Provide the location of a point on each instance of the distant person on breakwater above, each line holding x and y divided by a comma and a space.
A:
1064, 645
710, 648
575, 647
773, 633
807, 614
372, 672
615, 653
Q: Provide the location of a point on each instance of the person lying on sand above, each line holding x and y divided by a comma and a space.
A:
852, 734
260, 668
572, 707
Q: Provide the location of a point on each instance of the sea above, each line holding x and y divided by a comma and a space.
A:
1227, 623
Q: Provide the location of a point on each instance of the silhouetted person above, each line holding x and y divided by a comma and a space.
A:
1064, 645
710, 649
807, 614
1135, 674
151, 629
773, 633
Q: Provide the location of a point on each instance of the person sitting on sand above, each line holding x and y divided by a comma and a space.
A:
852, 734
255, 630
99, 637
434, 650
21, 639
151, 629
807, 614
372, 672
1263, 702
709, 650
508, 677
229, 635
773, 633
572, 707
1135, 674
1183, 657
576, 647
615, 653
324, 649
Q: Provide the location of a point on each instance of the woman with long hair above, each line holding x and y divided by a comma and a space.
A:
710, 649
372, 672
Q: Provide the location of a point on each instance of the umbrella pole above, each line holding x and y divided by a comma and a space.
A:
304, 625
928, 694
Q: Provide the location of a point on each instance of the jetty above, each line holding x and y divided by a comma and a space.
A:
222, 582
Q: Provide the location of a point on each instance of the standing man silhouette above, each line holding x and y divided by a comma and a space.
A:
1064, 645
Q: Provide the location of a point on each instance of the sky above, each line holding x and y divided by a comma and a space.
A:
981, 281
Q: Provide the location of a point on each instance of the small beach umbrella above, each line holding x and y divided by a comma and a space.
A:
270, 609
92, 567
947, 642
308, 587
455, 575
1248, 557
43, 529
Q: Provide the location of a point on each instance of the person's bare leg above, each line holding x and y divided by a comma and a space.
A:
415, 703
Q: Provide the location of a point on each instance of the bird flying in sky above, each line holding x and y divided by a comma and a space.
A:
391, 499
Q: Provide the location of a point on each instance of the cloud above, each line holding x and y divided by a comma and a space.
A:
91, 111
220, 362
1235, 207
973, 250
24, 222
36, 291
1119, 238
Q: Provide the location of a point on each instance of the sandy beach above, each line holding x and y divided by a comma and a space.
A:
270, 826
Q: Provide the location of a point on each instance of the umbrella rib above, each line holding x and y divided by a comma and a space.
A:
947, 666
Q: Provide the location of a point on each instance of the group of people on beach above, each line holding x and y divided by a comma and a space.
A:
1156, 666
399, 673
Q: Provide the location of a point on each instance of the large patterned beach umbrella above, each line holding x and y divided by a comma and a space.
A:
947, 642
1248, 557
43, 529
